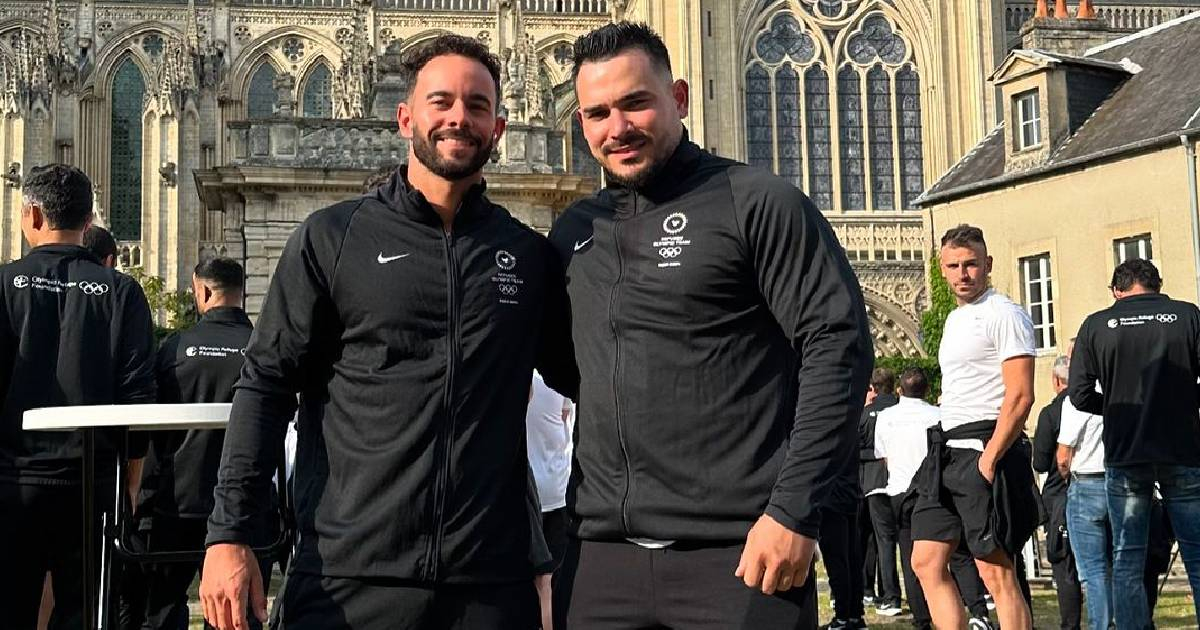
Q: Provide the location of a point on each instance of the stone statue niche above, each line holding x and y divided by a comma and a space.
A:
390, 87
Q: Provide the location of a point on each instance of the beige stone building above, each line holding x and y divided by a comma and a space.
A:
215, 126
1094, 163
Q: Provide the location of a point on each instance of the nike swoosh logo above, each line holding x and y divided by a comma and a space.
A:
383, 260
579, 246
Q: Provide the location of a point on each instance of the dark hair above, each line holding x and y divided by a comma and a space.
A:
100, 242
914, 383
610, 40
963, 235
1136, 271
222, 274
63, 193
444, 45
883, 380
377, 178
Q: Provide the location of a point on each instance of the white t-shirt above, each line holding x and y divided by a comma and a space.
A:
900, 438
548, 442
977, 339
1083, 432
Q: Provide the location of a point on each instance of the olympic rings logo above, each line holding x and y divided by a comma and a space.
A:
509, 289
1166, 318
93, 288
670, 252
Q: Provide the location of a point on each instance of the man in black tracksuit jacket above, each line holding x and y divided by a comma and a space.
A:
1144, 351
200, 364
72, 332
880, 520
409, 320
723, 352
1054, 503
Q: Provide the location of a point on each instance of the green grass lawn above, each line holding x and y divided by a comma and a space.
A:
1174, 608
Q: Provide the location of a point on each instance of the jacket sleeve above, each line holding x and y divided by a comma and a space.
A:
283, 351
556, 350
809, 287
133, 350
1084, 373
539, 552
1045, 443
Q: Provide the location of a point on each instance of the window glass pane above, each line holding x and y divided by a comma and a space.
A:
912, 170
879, 123
787, 112
125, 168
759, 130
318, 93
850, 133
820, 152
261, 96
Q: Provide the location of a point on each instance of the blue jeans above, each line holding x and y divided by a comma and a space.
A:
1130, 489
1091, 542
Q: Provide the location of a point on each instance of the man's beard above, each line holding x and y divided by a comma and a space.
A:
426, 152
641, 178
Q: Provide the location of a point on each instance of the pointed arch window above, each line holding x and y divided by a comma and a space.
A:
317, 101
843, 125
261, 96
125, 143
582, 162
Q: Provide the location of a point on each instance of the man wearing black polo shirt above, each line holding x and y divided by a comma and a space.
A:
72, 332
976, 484
198, 365
1144, 351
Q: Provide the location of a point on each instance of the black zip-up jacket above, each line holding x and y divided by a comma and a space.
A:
413, 352
723, 352
1045, 450
1144, 350
198, 365
872, 471
72, 332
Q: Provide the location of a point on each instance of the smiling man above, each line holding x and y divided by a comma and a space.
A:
724, 353
976, 483
409, 321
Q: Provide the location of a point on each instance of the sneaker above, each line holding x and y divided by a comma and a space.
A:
991, 603
868, 601
889, 609
980, 623
846, 624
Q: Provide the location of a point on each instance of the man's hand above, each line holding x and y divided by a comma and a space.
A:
542, 582
987, 466
230, 575
1062, 458
775, 557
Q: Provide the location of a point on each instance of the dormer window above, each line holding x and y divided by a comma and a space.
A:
1029, 120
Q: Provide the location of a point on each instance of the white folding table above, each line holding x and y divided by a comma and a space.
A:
87, 419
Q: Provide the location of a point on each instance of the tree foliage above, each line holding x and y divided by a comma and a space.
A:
172, 310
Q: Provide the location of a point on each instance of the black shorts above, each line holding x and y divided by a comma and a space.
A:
988, 516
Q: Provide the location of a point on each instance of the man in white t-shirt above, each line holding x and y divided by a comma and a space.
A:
1080, 458
976, 483
901, 441
548, 426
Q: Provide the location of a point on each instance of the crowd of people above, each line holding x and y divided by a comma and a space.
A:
426, 348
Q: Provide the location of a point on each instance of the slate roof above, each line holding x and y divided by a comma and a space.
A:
1160, 100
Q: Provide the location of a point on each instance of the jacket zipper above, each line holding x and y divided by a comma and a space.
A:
446, 434
612, 299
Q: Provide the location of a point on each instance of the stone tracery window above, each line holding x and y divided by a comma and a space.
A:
317, 101
125, 170
846, 129
261, 95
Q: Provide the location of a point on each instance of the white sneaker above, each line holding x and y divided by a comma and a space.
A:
889, 609
980, 623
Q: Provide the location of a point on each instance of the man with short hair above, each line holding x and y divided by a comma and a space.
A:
873, 475
72, 332
200, 364
977, 483
101, 243
1144, 352
900, 441
724, 356
1059, 548
409, 320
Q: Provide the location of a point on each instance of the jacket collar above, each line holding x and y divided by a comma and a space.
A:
667, 184
226, 314
64, 250
399, 195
